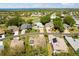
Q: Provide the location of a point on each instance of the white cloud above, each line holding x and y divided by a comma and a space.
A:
67, 4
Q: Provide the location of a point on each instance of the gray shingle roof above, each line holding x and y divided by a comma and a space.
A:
26, 26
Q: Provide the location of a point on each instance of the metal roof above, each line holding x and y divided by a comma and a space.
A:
73, 42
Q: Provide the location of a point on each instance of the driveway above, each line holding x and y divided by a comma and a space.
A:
50, 36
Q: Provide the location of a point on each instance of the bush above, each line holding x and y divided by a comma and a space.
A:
3, 20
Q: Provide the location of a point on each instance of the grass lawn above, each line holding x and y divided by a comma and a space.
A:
27, 18
49, 49
55, 31
74, 30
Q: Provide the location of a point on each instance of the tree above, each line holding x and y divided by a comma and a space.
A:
69, 20
2, 19
58, 13
29, 21
6, 50
77, 52
17, 21
45, 19
65, 12
58, 24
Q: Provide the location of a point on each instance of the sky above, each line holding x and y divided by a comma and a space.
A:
39, 5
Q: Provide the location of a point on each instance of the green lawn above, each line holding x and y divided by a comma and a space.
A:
27, 18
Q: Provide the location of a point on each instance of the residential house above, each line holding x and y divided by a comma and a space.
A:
63, 15
36, 14
76, 20
50, 24
73, 42
25, 27
37, 25
14, 30
2, 34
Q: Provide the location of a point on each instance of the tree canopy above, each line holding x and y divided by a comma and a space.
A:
58, 24
69, 20
17, 21
29, 21
45, 19
2, 19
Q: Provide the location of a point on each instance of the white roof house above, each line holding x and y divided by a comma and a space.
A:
38, 25
73, 42
62, 14
2, 37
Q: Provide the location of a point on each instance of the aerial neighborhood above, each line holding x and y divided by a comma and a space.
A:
44, 32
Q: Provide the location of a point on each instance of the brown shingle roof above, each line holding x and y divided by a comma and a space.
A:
13, 28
